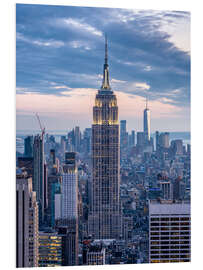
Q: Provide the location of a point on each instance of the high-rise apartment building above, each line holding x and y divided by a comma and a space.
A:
26, 223
169, 231
146, 124
105, 217
38, 177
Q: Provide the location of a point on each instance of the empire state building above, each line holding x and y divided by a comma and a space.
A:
105, 217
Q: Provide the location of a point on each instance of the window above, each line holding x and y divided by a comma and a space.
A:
154, 219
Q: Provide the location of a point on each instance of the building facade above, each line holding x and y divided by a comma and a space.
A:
105, 217
123, 134
70, 187
28, 146
169, 232
95, 255
38, 176
164, 140
166, 188
26, 223
50, 249
69, 245
54, 188
69, 203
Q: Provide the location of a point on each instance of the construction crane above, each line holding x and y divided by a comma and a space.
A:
42, 128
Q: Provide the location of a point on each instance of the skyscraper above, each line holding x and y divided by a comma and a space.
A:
147, 123
123, 126
70, 187
87, 140
140, 138
177, 147
28, 146
54, 188
123, 134
69, 245
69, 200
26, 222
132, 138
105, 218
38, 177
63, 144
77, 134
157, 140
164, 140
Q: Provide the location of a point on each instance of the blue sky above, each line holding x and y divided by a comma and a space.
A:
60, 56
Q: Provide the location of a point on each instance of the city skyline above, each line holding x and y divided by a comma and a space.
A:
102, 195
59, 66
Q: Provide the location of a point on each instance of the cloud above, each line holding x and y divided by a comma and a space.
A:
174, 25
142, 86
78, 25
44, 43
166, 100
61, 87
177, 26
50, 43
117, 81
144, 55
148, 68
133, 88
76, 44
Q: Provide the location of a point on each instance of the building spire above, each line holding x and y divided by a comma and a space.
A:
105, 83
106, 51
146, 103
